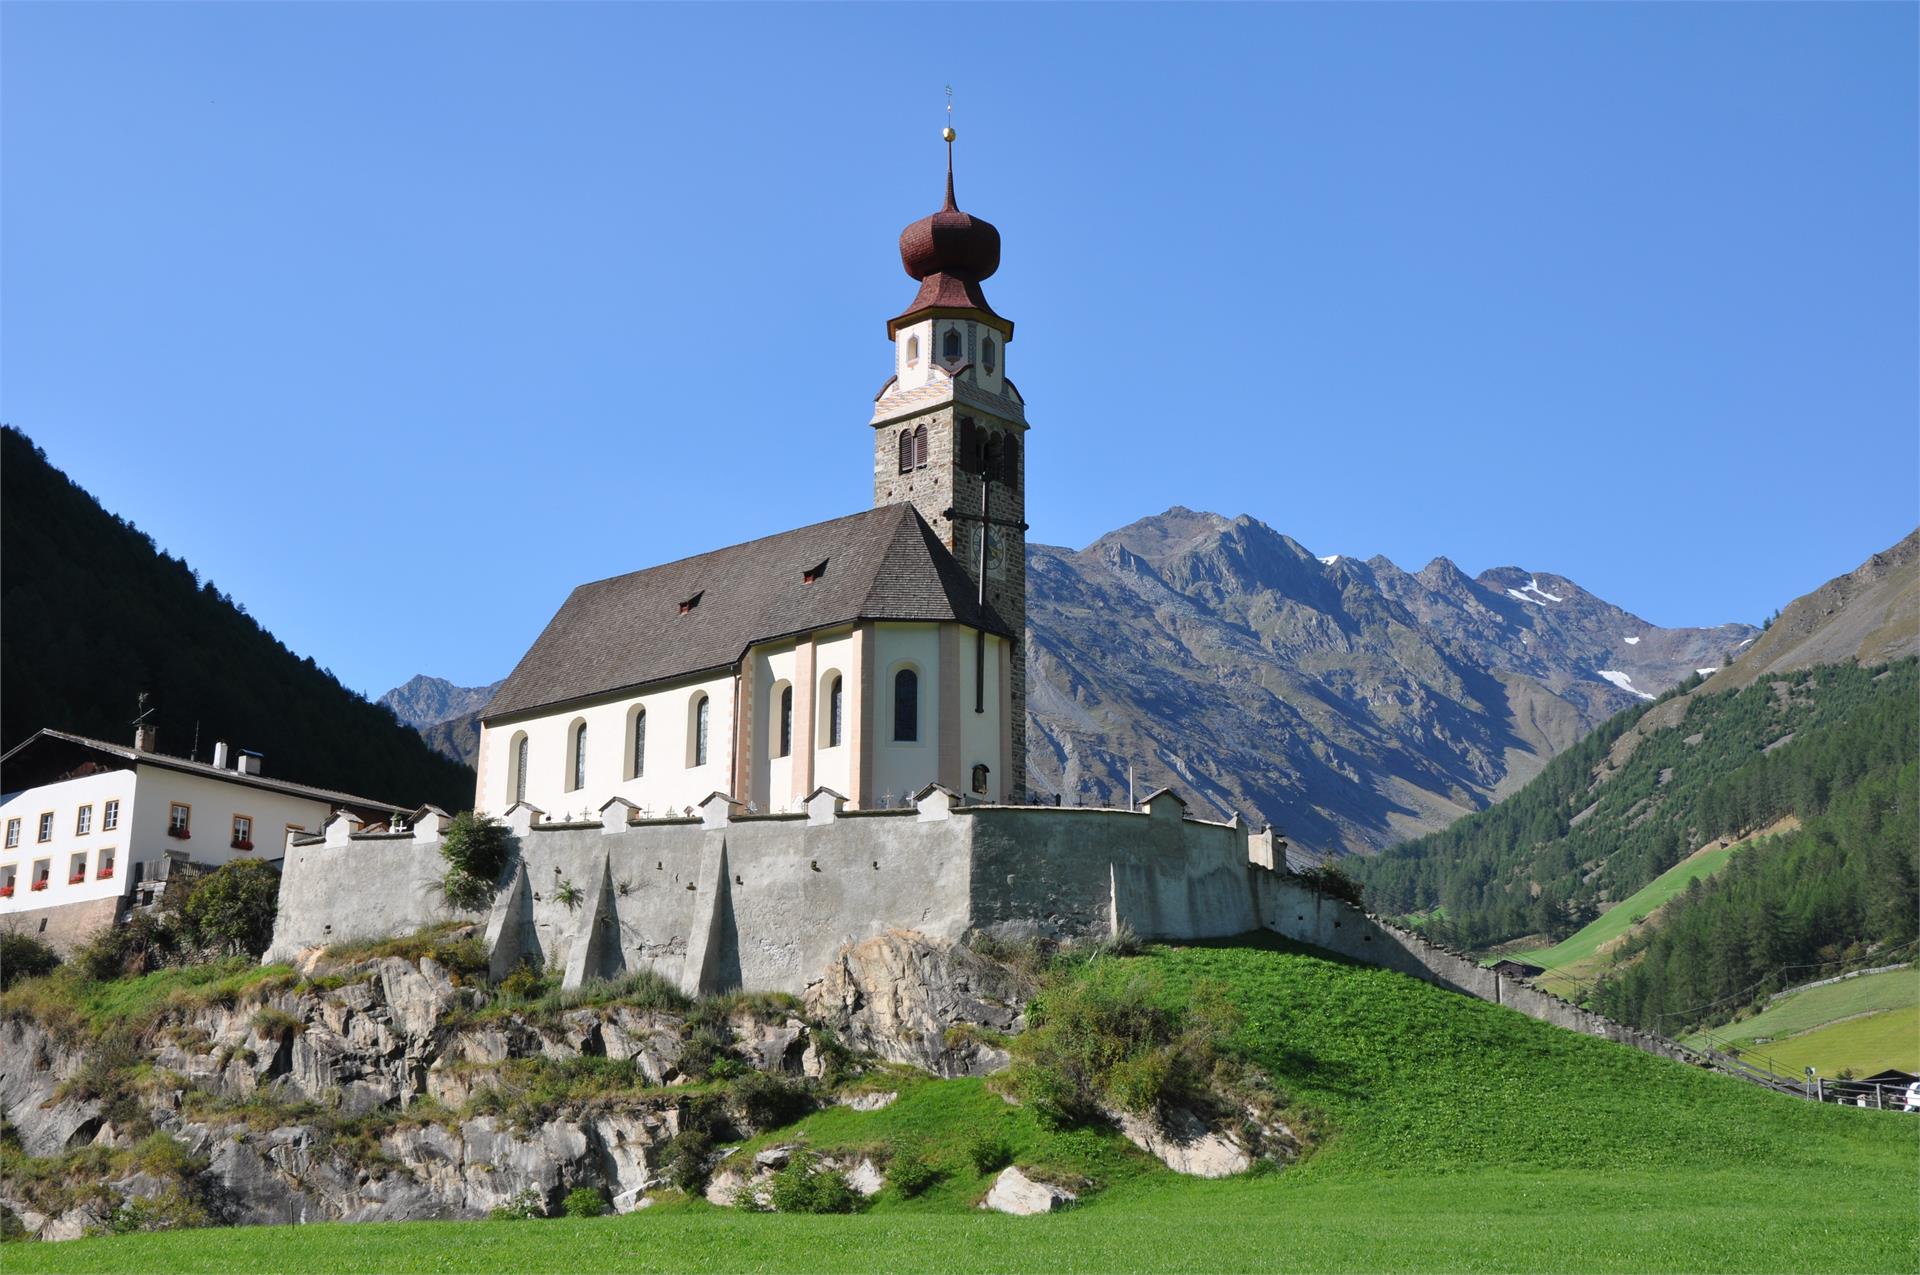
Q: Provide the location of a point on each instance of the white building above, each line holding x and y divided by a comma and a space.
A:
871, 655
89, 825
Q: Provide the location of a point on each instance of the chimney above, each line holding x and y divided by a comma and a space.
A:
249, 763
146, 737
220, 754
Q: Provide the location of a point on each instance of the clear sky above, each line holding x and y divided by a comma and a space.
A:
400, 321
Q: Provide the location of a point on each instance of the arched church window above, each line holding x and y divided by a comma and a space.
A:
701, 713
906, 450
579, 756
784, 745
906, 706
986, 353
640, 743
950, 345
520, 771
920, 447
834, 697
913, 350
1010, 461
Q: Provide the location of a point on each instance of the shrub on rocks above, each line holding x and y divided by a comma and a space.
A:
802, 1188
23, 955
910, 1173
584, 1201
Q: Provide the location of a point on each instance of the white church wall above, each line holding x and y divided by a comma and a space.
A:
980, 732
669, 781
771, 670
902, 767
833, 764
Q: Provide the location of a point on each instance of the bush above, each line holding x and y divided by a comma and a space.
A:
525, 1206
767, 1102
231, 910
910, 1173
170, 1210
142, 945
23, 955
584, 1201
686, 1160
477, 850
1332, 879
801, 1188
988, 1151
1100, 1044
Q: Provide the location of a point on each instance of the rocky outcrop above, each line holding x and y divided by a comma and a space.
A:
927, 1002
1014, 1192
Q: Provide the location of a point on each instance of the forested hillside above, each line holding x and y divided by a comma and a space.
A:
1596, 825
1841, 888
94, 615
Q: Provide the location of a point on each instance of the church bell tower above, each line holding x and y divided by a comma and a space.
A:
949, 428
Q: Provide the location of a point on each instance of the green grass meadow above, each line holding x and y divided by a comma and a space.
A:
1865, 1025
1454, 1136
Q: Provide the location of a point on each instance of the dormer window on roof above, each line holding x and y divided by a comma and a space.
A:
692, 602
814, 572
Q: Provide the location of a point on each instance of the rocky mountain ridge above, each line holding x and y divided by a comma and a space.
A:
423, 701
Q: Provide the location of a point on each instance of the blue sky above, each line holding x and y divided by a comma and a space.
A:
400, 321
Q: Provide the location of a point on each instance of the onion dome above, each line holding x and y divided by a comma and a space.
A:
950, 253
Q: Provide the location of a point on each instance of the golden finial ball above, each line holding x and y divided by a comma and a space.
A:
948, 134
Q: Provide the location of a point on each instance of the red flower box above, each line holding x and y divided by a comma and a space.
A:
39, 885
6, 892
179, 833
243, 845
78, 878
103, 874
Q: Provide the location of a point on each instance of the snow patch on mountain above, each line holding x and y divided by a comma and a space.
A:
1624, 682
1707, 672
1633, 641
1331, 558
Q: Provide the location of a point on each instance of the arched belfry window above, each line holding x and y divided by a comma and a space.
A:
920, 447
996, 458
906, 706
913, 349
1010, 461
969, 445
835, 699
950, 345
520, 770
906, 450
783, 745
640, 743
579, 757
986, 353
702, 707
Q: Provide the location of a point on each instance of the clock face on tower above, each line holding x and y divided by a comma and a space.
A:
996, 551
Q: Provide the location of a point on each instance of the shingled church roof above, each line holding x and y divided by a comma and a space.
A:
701, 614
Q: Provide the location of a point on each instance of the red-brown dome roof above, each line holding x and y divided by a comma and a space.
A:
950, 253
950, 242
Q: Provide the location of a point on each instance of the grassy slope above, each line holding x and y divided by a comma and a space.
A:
1578, 958
1465, 1138
1882, 1028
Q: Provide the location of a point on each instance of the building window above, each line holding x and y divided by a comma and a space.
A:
579, 758
980, 779
950, 345
702, 711
520, 771
906, 450
640, 743
46, 827
986, 353
13, 834
834, 697
785, 742
77, 870
1010, 461
906, 706
913, 350
996, 458
242, 832
110, 816
179, 820
105, 869
920, 447
83, 821
41, 871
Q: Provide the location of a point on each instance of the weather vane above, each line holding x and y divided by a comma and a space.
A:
948, 132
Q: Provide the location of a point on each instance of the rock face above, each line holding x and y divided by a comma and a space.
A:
1182, 1141
1358, 703
394, 1032
1014, 1192
912, 999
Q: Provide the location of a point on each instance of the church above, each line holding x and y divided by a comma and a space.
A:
871, 655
